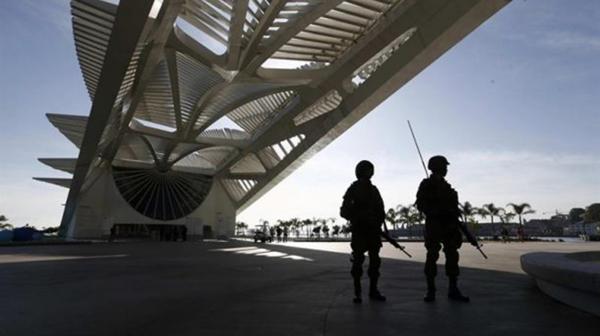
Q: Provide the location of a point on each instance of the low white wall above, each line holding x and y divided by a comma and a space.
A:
572, 278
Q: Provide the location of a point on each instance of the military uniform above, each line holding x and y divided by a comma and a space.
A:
363, 207
439, 202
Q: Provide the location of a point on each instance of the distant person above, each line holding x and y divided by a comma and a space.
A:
279, 233
504, 235
363, 207
285, 234
439, 202
272, 233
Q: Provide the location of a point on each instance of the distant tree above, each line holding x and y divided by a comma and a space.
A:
325, 230
4, 223
51, 229
307, 223
391, 216
345, 230
490, 210
592, 213
300, 226
402, 215
324, 227
409, 216
295, 226
467, 211
481, 212
576, 215
473, 225
520, 210
317, 231
241, 227
336, 230
506, 216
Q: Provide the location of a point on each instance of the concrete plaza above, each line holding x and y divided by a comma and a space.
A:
241, 288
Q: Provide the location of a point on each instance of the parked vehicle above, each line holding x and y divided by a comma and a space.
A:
262, 237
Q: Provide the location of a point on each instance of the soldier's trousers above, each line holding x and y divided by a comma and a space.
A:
433, 243
372, 247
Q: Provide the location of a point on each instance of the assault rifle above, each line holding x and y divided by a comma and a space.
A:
461, 225
470, 238
394, 243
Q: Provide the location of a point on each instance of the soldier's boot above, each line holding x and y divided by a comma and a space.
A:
374, 293
454, 293
357, 291
430, 294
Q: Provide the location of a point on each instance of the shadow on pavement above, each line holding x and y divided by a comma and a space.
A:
211, 289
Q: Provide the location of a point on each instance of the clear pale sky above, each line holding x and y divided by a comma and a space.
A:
515, 107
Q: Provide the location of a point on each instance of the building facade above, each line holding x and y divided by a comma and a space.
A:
199, 107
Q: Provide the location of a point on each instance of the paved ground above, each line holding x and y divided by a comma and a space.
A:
235, 288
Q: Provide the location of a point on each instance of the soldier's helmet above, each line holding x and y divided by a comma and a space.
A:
437, 162
364, 169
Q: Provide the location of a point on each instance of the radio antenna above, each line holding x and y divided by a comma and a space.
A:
418, 150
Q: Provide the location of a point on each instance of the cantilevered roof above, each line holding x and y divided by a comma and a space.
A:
287, 76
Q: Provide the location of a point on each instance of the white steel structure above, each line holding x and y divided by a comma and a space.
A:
292, 75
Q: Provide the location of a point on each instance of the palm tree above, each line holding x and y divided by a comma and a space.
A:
325, 229
324, 226
402, 215
506, 216
317, 231
4, 225
490, 210
241, 227
520, 210
307, 223
295, 225
346, 229
467, 211
408, 215
391, 216
336, 230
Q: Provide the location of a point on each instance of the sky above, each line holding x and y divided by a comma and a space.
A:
515, 107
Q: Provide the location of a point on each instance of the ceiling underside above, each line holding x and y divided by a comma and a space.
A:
245, 91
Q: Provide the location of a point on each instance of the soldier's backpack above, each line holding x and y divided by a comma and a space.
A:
346, 209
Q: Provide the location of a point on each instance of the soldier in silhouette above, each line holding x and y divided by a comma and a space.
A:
363, 207
439, 202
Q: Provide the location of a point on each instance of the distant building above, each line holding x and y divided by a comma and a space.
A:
554, 226
578, 228
417, 230
489, 229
